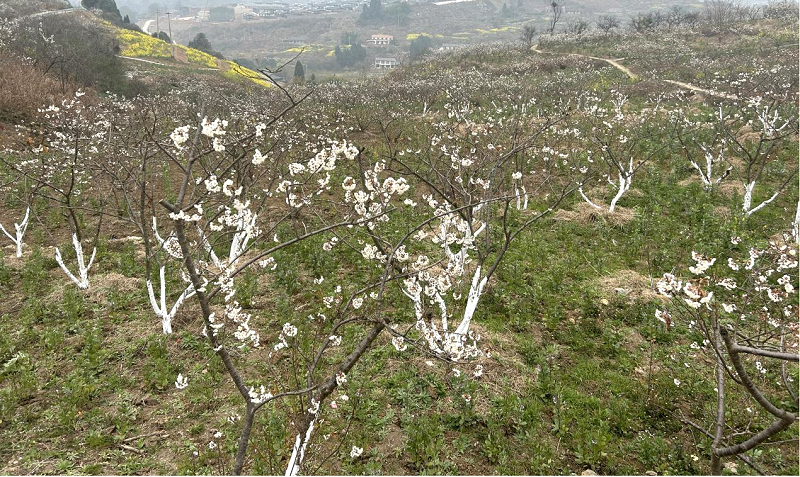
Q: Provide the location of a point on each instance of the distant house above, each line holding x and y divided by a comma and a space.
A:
239, 12
449, 47
269, 10
380, 40
278, 78
294, 41
386, 62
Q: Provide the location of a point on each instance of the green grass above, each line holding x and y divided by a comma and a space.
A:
565, 391
580, 376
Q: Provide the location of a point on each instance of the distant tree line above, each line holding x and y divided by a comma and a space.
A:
512, 9
716, 16
397, 13
221, 14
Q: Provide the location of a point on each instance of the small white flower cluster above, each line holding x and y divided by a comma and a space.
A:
182, 215
258, 159
243, 333
328, 246
181, 382
260, 395
373, 201
669, 285
399, 343
179, 136
215, 129
478, 371
288, 330
696, 295
703, 263
172, 247
664, 317
356, 452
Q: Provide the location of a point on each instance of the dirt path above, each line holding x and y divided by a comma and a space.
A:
49, 13
162, 64
142, 60
701, 90
611, 62
616, 64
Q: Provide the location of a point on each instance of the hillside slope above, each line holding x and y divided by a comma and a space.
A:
581, 373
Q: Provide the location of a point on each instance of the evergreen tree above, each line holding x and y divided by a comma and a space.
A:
420, 46
108, 7
373, 11
162, 36
200, 42
299, 72
349, 38
397, 13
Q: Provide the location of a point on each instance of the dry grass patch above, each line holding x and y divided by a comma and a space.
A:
629, 284
101, 284
584, 213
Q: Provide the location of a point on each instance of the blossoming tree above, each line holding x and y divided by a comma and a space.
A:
745, 310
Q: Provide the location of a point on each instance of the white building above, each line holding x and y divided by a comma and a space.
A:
386, 62
380, 40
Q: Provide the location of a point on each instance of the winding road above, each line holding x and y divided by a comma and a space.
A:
616, 64
146, 26
49, 13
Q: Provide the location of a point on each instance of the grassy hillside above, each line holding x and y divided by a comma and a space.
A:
579, 373
135, 44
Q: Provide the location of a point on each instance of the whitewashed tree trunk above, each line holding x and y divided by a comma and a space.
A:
522, 197
239, 243
748, 199
475, 292
446, 341
82, 280
298, 452
624, 185
748, 196
707, 175
19, 232
160, 306
580, 191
